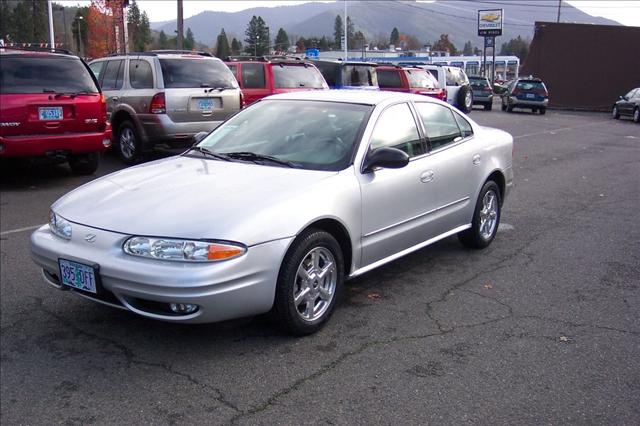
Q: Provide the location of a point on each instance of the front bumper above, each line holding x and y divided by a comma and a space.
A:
46, 145
159, 129
230, 289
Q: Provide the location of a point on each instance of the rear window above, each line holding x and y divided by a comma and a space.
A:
479, 83
329, 72
421, 79
188, 73
389, 78
530, 85
359, 75
43, 75
434, 73
297, 76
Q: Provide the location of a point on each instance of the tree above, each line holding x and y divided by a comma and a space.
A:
256, 37
359, 40
338, 32
163, 43
27, 23
468, 49
444, 45
351, 34
222, 45
189, 42
324, 44
300, 45
516, 46
282, 40
236, 47
395, 37
79, 28
139, 28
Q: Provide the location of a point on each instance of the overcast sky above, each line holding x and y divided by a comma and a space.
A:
626, 12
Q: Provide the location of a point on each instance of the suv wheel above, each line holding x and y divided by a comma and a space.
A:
465, 99
84, 164
128, 143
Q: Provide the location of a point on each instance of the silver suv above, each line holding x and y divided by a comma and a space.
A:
164, 98
456, 83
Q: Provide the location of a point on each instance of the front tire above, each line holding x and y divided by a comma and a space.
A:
615, 113
636, 115
309, 283
128, 144
486, 218
84, 164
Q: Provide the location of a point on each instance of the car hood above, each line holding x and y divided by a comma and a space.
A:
187, 197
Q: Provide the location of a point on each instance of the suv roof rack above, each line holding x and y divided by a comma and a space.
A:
264, 58
181, 52
39, 49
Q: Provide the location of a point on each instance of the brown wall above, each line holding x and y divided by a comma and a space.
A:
584, 66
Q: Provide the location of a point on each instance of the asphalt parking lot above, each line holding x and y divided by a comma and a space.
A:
543, 327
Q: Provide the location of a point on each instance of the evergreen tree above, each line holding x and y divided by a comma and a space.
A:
338, 32
7, 22
256, 37
395, 37
222, 45
282, 40
324, 44
30, 22
236, 47
351, 41
189, 42
468, 49
516, 46
80, 28
359, 40
144, 33
163, 42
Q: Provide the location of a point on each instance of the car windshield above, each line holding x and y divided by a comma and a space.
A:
421, 79
287, 76
359, 75
45, 75
196, 72
307, 134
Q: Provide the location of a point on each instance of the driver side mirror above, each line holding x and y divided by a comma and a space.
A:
199, 136
385, 157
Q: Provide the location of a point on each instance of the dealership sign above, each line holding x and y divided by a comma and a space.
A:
490, 22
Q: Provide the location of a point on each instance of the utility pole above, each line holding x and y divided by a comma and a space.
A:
346, 48
559, 7
51, 36
180, 27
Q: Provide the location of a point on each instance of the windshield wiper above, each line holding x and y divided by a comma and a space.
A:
219, 88
209, 153
259, 158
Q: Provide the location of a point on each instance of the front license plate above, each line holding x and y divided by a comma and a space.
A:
77, 275
531, 95
50, 113
205, 104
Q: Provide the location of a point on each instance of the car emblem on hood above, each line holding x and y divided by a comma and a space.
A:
90, 238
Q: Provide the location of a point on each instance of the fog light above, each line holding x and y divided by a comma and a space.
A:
183, 308
106, 143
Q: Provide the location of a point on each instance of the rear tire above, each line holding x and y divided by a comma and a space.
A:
465, 99
488, 107
128, 144
84, 164
486, 218
543, 110
312, 272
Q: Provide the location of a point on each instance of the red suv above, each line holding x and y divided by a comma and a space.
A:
410, 80
262, 77
51, 106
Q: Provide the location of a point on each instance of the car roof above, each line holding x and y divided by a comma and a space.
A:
341, 62
354, 96
7, 51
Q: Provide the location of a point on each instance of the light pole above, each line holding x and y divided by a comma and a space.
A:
79, 19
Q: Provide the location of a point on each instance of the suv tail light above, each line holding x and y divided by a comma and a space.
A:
103, 108
158, 104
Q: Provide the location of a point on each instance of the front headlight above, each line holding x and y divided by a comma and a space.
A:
182, 250
59, 225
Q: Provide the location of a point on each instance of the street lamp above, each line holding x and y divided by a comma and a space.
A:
78, 19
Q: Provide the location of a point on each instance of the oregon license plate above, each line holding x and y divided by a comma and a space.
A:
205, 104
77, 275
50, 113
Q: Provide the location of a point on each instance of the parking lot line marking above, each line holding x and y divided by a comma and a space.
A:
15, 231
551, 131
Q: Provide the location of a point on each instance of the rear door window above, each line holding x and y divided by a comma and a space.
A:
389, 78
396, 128
287, 76
421, 79
113, 75
439, 124
43, 75
253, 76
196, 72
329, 72
140, 75
96, 69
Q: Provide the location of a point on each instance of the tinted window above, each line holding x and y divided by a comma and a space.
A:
39, 75
434, 73
439, 124
253, 76
297, 76
113, 75
397, 128
96, 69
140, 75
313, 135
359, 75
200, 72
389, 78
329, 72
421, 79
529, 85
479, 83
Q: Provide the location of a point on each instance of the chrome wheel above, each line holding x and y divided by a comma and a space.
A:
488, 215
127, 143
315, 284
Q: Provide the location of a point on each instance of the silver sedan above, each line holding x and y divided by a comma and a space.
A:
277, 207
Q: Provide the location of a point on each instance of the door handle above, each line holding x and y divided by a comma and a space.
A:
426, 176
476, 159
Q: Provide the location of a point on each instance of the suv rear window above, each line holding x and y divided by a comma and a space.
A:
296, 76
199, 72
530, 85
359, 75
41, 75
389, 78
329, 72
421, 79
479, 83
